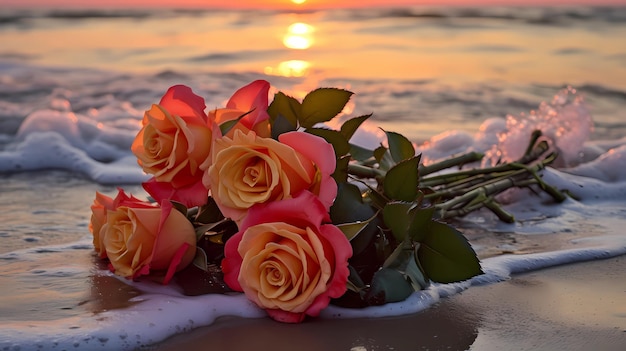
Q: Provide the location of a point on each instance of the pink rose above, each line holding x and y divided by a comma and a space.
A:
252, 97
101, 205
175, 140
248, 169
141, 240
286, 261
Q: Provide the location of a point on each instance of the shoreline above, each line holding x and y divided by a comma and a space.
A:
577, 306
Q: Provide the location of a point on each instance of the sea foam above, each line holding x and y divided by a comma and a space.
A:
162, 311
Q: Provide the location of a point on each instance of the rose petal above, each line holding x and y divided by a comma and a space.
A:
291, 209
251, 97
176, 260
192, 195
322, 154
181, 101
285, 316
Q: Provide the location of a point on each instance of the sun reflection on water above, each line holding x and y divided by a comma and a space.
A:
299, 37
290, 68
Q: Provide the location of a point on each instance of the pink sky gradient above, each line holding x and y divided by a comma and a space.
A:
287, 4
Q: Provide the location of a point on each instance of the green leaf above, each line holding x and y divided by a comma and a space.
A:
179, 207
360, 153
388, 285
421, 218
200, 260
228, 125
376, 199
407, 221
211, 229
401, 182
446, 256
322, 105
338, 141
404, 260
400, 256
384, 159
286, 106
397, 218
349, 208
351, 230
355, 283
379, 153
418, 279
399, 146
209, 212
341, 169
349, 127
281, 125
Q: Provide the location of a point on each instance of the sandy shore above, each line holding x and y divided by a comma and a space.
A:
575, 307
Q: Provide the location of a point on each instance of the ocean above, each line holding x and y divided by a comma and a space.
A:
74, 85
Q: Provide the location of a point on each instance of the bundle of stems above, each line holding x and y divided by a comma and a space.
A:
457, 193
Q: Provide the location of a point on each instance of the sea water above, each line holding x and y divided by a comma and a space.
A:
74, 85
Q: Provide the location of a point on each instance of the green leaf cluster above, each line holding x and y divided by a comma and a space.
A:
321, 105
398, 245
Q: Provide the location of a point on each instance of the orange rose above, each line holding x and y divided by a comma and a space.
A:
101, 205
251, 99
248, 169
174, 141
140, 240
286, 261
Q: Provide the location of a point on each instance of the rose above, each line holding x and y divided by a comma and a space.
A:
248, 169
286, 261
174, 141
101, 205
141, 240
251, 100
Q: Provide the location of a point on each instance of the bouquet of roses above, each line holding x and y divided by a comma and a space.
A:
265, 199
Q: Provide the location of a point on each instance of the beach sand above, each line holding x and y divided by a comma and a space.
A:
581, 306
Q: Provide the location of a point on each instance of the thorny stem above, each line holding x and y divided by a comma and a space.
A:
361, 171
451, 162
461, 192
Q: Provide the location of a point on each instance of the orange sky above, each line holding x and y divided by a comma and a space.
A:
284, 3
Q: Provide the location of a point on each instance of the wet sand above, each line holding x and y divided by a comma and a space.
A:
580, 306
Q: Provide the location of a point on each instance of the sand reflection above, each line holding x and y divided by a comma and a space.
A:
433, 329
59, 284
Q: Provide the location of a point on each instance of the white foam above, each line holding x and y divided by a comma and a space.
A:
51, 150
163, 311
565, 123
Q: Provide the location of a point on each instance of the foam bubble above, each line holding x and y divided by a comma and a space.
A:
565, 123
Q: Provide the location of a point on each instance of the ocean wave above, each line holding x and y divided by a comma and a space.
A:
553, 16
234, 56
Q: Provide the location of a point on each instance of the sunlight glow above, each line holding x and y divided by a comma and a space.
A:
300, 28
299, 36
298, 2
291, 68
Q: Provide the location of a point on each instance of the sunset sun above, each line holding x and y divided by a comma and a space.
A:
298, 2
